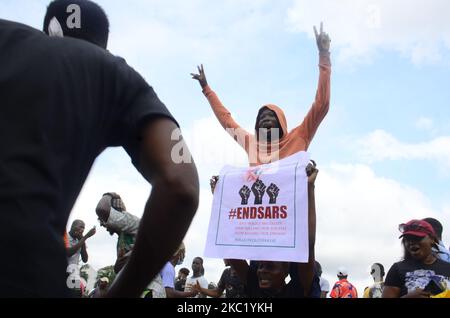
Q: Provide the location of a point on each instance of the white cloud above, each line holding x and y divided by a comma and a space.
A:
424, 123
188, 29
419, 29
380, 145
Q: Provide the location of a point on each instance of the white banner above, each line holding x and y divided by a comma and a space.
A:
261, 213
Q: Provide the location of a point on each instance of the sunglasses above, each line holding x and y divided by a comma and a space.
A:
413, 227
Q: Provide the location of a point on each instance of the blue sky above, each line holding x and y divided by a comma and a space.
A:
384, 147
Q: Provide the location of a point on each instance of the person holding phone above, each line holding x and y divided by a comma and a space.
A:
421, 274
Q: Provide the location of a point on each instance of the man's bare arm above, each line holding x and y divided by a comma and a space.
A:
168, 212
306, 270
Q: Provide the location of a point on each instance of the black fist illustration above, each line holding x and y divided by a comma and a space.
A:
273, 191
245, 194
258, 189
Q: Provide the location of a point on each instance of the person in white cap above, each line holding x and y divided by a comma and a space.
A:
343, 288
101, 289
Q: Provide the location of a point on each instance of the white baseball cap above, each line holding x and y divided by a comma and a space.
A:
342, 271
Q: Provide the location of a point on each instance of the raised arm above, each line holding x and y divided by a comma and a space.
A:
84, 253
169, 210
239, 134
306, 270
72, 250
125, 221
321, 104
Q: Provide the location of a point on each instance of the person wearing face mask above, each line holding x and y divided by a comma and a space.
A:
376, 290
420, 274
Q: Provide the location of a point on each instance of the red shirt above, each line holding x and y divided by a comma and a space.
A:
344, 289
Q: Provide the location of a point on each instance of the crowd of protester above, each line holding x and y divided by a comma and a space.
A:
99, 101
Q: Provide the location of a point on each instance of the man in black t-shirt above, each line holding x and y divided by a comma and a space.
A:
62, 102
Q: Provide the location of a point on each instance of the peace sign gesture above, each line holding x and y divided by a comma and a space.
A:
200, 77
323, 40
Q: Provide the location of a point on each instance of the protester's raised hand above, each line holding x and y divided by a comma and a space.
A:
200, 77
311, 172
273, 191
245, 194
213, 182
91, 232
116, 201
258, 189
322, 39
118, 204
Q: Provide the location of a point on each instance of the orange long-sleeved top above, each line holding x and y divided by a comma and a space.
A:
291, 142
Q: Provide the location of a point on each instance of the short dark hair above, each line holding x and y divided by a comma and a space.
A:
185, 271
318, 268
437, 226
94, 22
202, 269
77, 223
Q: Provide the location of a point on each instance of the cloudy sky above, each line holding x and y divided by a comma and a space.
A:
383, 150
